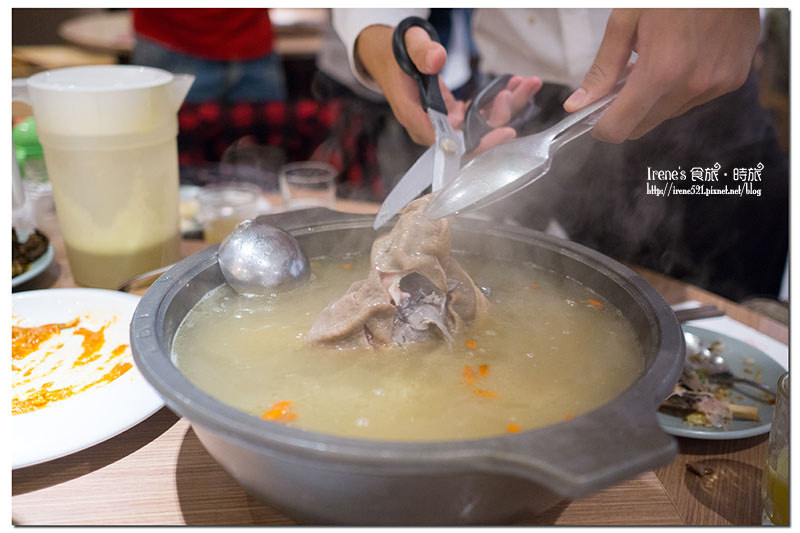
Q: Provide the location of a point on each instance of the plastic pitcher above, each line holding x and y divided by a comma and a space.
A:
109, 139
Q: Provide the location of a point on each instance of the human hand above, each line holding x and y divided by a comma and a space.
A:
374, 49
686, 57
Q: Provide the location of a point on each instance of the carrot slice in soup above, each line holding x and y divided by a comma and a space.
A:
469, 375
280, 412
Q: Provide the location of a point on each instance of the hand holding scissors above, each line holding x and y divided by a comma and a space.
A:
443, 159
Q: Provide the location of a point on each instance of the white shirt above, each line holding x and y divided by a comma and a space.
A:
558, 45
332, 59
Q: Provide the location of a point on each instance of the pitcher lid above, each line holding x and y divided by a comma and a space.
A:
100, 78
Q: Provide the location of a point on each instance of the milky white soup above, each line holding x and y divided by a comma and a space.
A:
549, 350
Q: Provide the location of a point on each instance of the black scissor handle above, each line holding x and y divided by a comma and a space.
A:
475, 126
430, 96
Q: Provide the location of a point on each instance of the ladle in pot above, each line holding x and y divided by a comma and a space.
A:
258, 258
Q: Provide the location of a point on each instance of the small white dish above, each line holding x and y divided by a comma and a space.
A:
92, 416
37, 267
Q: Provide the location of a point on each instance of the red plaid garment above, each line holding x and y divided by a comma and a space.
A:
340, 132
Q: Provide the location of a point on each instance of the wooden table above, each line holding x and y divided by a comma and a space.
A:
28, 60
158, 473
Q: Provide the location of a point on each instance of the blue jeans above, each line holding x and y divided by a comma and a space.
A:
255, 80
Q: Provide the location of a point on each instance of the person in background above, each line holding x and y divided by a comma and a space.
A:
229, 50
689, 102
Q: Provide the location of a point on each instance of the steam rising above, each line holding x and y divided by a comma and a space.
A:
732, 245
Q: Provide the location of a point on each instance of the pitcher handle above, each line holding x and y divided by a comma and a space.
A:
19, 91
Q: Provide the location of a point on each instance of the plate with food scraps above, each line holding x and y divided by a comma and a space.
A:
74, 383
745, 361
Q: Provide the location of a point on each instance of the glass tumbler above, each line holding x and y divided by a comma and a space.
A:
308, 184
221, 206
775, 483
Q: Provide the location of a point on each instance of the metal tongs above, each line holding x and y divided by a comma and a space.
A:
509, 167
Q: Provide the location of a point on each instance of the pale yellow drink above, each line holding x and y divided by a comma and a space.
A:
219, 228
222, 206
117, 209
775, 486
775, 482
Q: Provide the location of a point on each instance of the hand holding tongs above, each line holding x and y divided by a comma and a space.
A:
509, 167
439, 163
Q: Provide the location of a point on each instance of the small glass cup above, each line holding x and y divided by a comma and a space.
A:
221, 206
775, 483
308, 184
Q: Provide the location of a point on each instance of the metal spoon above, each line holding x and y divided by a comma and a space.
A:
713, 364
509, 167
258, 258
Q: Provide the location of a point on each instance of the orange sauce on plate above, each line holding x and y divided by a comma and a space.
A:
27, 341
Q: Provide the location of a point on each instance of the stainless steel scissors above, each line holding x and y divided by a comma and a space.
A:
442, 160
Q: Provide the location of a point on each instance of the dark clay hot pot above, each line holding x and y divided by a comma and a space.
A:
324, 479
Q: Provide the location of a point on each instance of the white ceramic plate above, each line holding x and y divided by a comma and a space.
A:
37, 267
89, 417
736, 352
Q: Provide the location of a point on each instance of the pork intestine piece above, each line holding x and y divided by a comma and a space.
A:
415, 290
